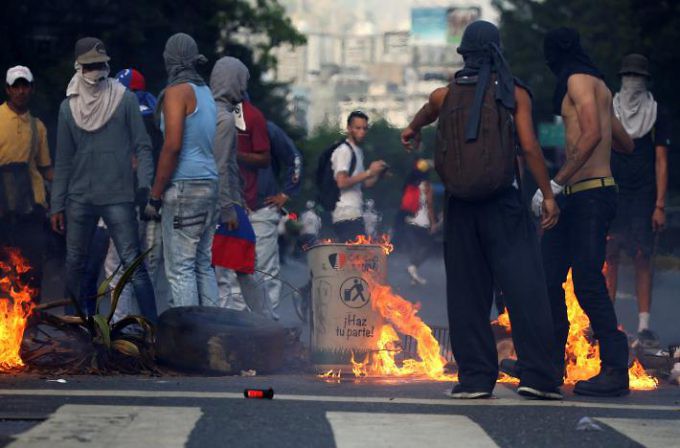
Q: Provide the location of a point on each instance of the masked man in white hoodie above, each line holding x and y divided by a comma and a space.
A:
642, 177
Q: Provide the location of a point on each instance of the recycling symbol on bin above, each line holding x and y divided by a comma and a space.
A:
354, 292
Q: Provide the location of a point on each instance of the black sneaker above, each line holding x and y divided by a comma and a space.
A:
462, 393
539, 394
510, 367
609, 382
648, 339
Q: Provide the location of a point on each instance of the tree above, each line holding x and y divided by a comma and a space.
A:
41, 35
609, 30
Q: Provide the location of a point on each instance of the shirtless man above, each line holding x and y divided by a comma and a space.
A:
588, 206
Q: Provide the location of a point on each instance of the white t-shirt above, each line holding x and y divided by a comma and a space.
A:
311, 223
350, 203
421, 218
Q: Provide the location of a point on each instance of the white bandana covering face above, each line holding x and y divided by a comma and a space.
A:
239, 117
93, 97
635, 107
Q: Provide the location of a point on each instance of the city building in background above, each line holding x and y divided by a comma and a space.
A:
357, 59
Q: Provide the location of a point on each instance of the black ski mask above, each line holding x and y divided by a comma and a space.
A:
482, 54
565, 57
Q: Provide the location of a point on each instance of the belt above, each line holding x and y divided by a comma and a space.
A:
590, 184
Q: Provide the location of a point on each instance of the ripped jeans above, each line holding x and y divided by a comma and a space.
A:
188, 220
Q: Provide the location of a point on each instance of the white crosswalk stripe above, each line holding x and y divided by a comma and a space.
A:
651, 433
359, 430
100, 426
116, 426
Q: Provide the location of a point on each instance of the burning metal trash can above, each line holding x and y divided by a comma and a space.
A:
342, 319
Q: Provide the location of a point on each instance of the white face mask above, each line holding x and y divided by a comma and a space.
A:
95, 76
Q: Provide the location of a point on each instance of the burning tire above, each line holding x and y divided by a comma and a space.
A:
218, 340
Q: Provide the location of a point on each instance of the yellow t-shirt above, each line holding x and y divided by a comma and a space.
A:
15, 147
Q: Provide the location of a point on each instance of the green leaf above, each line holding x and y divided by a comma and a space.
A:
104, 287
103, 330
124, 280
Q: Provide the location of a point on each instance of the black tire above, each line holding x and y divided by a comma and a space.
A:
220, 341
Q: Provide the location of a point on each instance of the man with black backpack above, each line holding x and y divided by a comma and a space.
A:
489, 234
341, 175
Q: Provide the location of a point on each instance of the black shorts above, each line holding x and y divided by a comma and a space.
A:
631, 229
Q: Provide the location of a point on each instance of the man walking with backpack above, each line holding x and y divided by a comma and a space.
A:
341, 175
489, 234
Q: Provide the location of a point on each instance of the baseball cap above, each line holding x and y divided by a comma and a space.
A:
18, 72
90, 50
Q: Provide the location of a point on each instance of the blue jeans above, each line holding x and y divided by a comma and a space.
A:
188, 219
121, 220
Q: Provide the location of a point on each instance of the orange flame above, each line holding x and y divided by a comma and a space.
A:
383, 241
331, 376
15, 308
583, 357
504, 321
402, 314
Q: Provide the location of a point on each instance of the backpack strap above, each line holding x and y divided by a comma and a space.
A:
34, 139
353, 162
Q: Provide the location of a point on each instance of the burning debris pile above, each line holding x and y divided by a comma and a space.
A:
32, 337
15, 308
583, 355
401, 317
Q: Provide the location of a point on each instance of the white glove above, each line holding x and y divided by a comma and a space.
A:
537, 201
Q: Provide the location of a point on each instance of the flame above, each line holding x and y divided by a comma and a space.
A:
15, 308
583, 357
504, 320
383, 241
402, 315
331, 376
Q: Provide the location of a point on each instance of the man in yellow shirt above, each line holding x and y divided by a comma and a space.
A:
24, 166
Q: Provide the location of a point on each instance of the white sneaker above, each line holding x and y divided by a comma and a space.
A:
415, 278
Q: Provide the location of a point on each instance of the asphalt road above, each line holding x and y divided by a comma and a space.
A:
211, 412
178, 411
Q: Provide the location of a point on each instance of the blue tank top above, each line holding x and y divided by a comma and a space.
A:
196, 160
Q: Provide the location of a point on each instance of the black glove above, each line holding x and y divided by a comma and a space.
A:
152, 209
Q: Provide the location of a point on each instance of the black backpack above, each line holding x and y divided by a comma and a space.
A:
329, 193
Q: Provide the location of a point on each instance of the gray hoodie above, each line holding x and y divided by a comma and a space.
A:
228, 82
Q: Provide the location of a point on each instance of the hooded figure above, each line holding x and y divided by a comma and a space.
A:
228, 82
565, 57
181, 57
482, 55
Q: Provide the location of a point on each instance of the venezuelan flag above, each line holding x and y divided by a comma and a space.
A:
235, 249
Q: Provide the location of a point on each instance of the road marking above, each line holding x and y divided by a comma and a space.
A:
359, 430
502, 401
99, 426
647, 432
